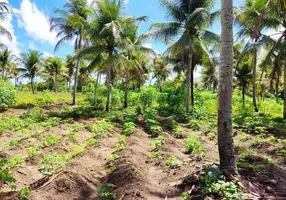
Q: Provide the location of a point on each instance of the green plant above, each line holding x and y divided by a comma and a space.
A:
112, 169
155, 155
158, 142
101, 127
54, 161
7, 95
212, 181
113, 156
173, 162
186, 195
257, 140
24, 193
50, 140
192, 144
91, 141
103, 191
14, 143
122, 142
246, 153
129, 128
178, 131
35, 114
33, 152
5, 173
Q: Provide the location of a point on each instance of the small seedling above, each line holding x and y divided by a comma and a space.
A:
24, 193
158, 142
155, 155
173, 162
104, 191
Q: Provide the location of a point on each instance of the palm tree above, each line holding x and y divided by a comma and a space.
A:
225, 140
70, 24
189, 22
14, 72
6, 61
109, 32
32, 63
243, 75
5, 12
54, 69
252, 19
161, 70
70, 65
277, 11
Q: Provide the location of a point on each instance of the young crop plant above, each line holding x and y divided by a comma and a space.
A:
50, 140
24, 193
33, 152
90, 142
212, 181
171, 124
173, 162
178, 131
129, 128
193, 145
51, 122
101, 127
158, 142
5, 173
122, 143
155, 155
257, 140
153, 127
114, 156
53, 162
75, 150
35, 114
14, 143
104, 191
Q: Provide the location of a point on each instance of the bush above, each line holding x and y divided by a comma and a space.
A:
147, 96
7, 95
36, 114
129, 128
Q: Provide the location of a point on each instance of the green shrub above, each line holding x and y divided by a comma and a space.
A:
35, 114
147, 96
7, 95
178, 131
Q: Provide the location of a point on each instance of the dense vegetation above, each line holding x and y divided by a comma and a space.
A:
123, 92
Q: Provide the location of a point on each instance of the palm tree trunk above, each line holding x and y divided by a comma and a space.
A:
126, 93
192, 86
76, 73
108, 77
277, 86
243, 94
254, 61
225, 138
285, 87
32, 85
56, 83
95, 89
188, 81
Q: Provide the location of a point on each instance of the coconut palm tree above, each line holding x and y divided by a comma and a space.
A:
70, 65
161, 70
5, 12
70, 24
14, 72
6, 61
110, 33
32, 61
243, 75
252, 19
190, 20
225, 140
54, 68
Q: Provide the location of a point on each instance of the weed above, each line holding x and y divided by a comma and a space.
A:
173, 162
103, 191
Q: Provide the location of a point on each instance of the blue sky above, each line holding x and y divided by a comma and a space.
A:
31, 31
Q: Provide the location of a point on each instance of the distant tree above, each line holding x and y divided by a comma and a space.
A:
70, 65
5, 12
32, 61
243, 75
54, 69
70, 25
6, 61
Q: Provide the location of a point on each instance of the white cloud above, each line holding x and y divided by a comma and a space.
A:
148, 45
12, 45
47, 55
275, 34
35, 22
32, 45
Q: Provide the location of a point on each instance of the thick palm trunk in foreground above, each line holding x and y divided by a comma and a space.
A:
225, 140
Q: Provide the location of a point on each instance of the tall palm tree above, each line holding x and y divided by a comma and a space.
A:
225, 140
252, 19
161, 70
32, 61
277, 10
14, 72
70, 25
70, 65
190, 20
109, 32
54, 69
5, 12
